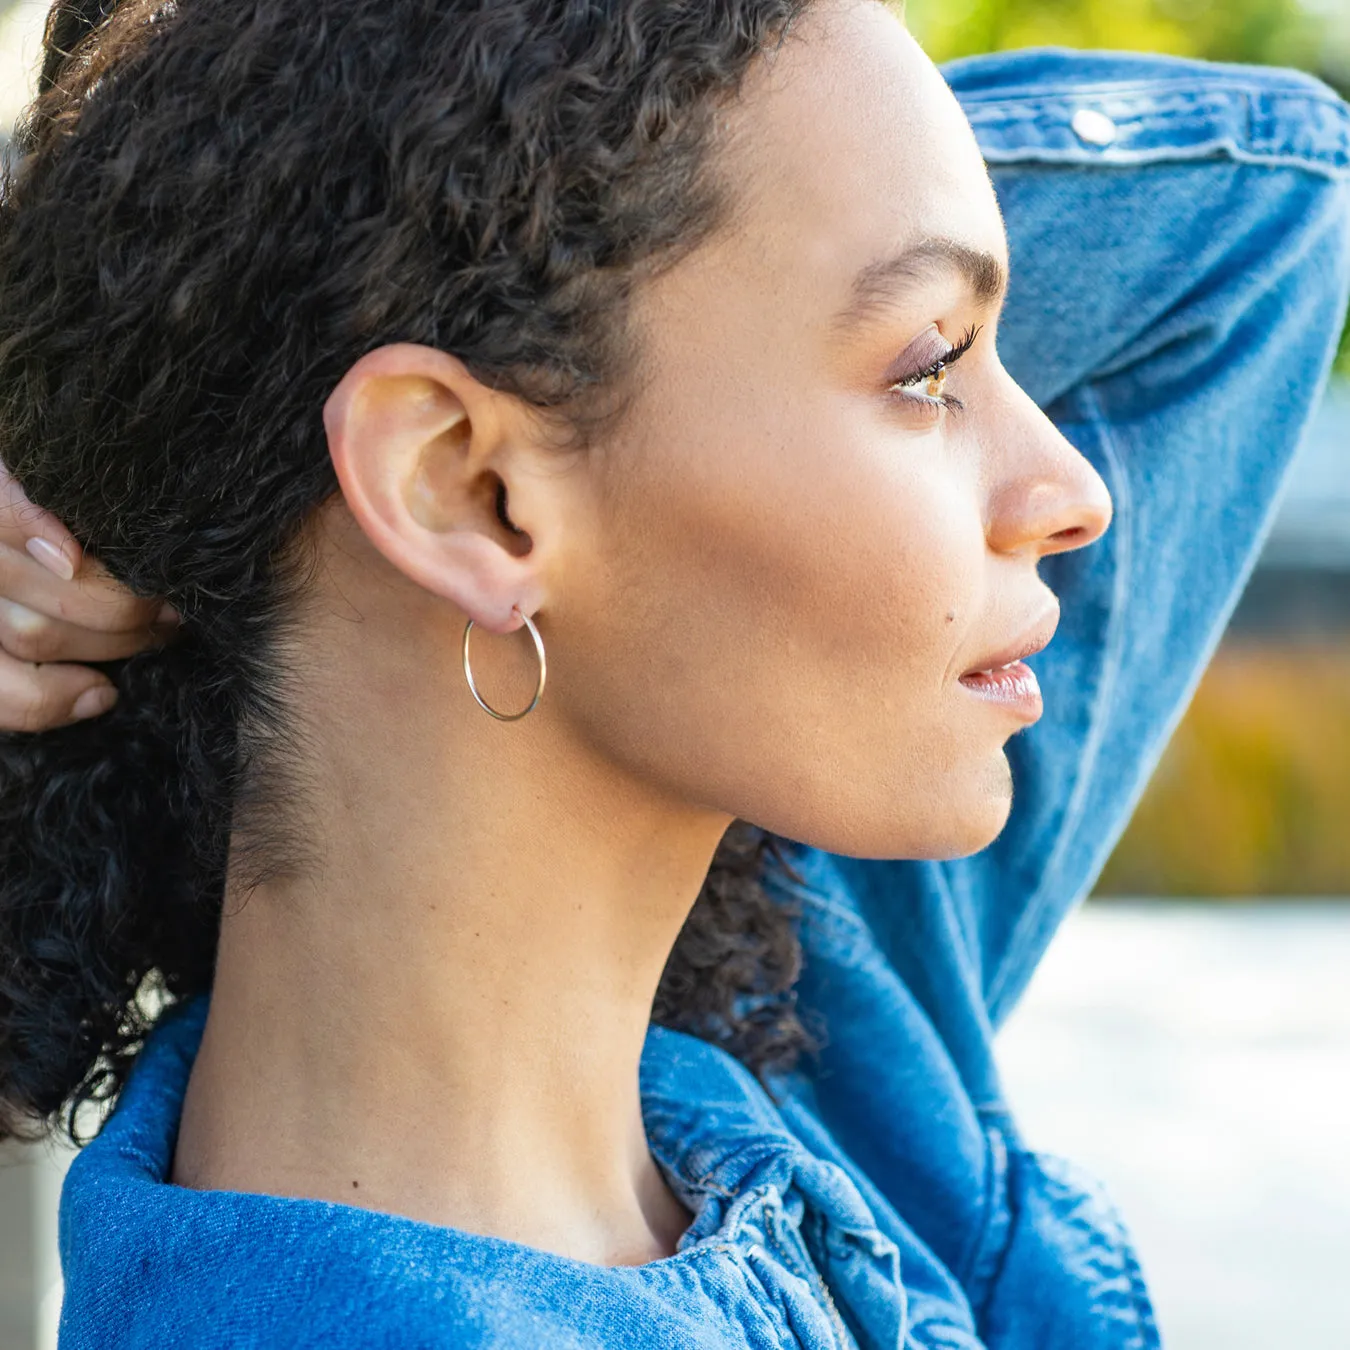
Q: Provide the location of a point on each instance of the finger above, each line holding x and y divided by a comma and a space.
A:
92, 600
30, 636
37, 532
38, 698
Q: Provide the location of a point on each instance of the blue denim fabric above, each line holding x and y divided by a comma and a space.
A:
1179, 272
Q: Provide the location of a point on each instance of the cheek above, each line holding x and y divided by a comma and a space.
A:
769, 628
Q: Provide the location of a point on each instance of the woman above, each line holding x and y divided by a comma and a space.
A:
368, 335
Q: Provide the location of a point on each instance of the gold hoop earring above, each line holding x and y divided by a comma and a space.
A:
543, 671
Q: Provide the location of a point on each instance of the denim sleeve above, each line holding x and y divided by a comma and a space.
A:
1180, 246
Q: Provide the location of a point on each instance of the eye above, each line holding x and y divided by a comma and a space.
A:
926, 388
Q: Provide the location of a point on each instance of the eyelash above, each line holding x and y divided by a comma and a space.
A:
945, 362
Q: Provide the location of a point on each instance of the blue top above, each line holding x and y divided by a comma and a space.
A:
1181, 261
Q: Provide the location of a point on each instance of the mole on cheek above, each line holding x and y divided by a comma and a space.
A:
951, 616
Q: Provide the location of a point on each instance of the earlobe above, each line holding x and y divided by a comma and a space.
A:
409, 430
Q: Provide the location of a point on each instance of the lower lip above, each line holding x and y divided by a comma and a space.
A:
1015, 688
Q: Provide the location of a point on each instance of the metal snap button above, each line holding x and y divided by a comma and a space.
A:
1093, 127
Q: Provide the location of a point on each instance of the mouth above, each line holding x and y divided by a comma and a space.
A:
1004, 678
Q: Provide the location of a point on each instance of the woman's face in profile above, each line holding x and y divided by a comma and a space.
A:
799, 543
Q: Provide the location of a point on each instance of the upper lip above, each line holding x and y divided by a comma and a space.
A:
1033, 639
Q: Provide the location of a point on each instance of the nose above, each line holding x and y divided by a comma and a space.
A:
1045, 496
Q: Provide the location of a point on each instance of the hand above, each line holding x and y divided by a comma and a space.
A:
59, 607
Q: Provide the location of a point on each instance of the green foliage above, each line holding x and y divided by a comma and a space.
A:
1270, 32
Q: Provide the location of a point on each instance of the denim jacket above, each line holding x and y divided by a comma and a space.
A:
1180, 238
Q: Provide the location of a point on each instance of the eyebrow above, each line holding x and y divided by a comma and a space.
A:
880, 283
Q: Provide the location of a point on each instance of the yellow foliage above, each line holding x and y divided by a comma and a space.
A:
1253, 794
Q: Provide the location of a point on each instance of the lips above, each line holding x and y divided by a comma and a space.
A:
1032, 640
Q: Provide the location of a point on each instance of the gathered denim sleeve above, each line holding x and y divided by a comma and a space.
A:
1180, 247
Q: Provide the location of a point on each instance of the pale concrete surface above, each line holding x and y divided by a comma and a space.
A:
30, 1269
1197, 1058
21, 24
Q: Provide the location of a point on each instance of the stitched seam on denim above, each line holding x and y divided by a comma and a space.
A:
1179, 91
1234, 133
819, 1237
1028, 925
789, 1257
706, 1184
1069, 157
979, 1272
706, 1249
755, 1151
812, 1277
697, 1184
1224, 115
134, 1154
771, 1304
1131, 108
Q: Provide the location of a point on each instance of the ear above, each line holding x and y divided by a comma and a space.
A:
412, 433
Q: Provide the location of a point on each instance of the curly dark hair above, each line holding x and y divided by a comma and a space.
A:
213, 211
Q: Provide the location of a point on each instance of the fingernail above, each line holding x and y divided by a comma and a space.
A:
51, 558
167, 614
21, 618
94, 702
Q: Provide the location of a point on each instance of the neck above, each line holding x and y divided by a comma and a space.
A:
445, 1018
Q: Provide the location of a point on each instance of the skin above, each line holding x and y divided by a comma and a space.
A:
757, 599
59, 607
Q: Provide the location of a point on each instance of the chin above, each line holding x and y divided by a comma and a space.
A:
953, 817
959, 817
987, 805
978, 832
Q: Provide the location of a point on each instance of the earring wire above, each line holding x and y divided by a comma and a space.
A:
543, 670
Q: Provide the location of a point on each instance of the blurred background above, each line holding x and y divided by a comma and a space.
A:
1188, 1036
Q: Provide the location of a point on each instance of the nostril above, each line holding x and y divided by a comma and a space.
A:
1074, 536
